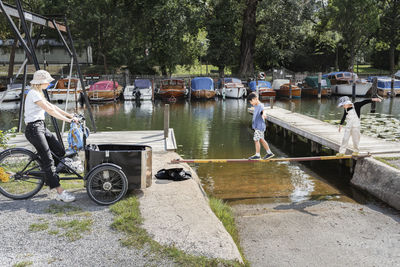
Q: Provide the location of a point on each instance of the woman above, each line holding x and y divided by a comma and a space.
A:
39, 136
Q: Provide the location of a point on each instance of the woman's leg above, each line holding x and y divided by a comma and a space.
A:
35, 133
54, 144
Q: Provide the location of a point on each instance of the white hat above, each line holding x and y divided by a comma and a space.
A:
344, 100
41, 77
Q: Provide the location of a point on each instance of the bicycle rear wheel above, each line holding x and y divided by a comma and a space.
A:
21, 176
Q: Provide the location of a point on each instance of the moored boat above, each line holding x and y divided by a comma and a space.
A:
60, 91
142, 89
103, 91
202, 88
264, 89
384, 85
342, 83
310, 86
284, 88
231, 88
172, 89
12, 92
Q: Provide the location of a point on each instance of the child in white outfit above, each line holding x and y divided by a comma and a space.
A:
352, 117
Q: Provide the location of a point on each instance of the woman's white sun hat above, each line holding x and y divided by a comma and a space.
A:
41, 77
344, 100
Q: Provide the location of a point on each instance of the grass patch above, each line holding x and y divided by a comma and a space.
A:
387, 161
36, 227
368, 69
225, 214
53, 232
75, 228
63, 209
128, 220
23, 264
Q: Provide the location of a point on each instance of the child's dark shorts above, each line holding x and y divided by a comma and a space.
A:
258, 135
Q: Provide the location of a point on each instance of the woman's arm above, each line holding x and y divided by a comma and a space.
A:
50, 109
66, 114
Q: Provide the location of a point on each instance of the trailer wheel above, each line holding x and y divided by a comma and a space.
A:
106, 185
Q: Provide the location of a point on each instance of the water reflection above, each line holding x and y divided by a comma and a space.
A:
222, 129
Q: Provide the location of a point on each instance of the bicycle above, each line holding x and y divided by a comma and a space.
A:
21, 175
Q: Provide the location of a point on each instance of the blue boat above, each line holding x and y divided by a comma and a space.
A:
265, 90
384, 85
202, 88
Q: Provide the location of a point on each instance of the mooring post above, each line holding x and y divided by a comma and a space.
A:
290, 88
353, 91
166, 120
190, 89
152, 89
392, 94
319, 84
374, 94
271, 102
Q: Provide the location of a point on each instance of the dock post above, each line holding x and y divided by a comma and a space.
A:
353, 91
271, 102
293, 138
190, 89
290, 88
392, 94
374, 94
319, 84
166, 120
152, 89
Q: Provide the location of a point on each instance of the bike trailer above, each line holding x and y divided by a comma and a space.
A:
134, 160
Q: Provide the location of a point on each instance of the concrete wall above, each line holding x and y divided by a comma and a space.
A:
379, 179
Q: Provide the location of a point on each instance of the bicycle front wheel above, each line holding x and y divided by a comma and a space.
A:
21, 176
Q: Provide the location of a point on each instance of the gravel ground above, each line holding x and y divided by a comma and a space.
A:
99, 247
316, 233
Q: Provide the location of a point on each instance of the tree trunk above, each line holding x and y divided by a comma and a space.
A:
391, 57
221, 71
350, 64
248, 39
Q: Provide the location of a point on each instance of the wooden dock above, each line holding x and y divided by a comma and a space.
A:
321, 133
155, 139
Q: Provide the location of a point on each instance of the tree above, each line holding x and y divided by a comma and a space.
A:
223, 24
356, 21
283, 29
389, 30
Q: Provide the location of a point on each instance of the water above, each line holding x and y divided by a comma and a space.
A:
222, 129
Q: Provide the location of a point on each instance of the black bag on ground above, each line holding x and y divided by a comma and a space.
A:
175, 174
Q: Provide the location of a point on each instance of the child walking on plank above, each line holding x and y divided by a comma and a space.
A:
259, 126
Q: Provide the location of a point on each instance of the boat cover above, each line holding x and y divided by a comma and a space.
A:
202, 83
252, 85
312, 81
142, 83
386, 83
103, 86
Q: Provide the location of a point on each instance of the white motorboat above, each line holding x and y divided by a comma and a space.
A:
342, 83
231, 88
141, 90
13, 92
60, 91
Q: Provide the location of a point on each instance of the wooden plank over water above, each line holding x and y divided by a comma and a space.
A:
155, 139
325, 133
